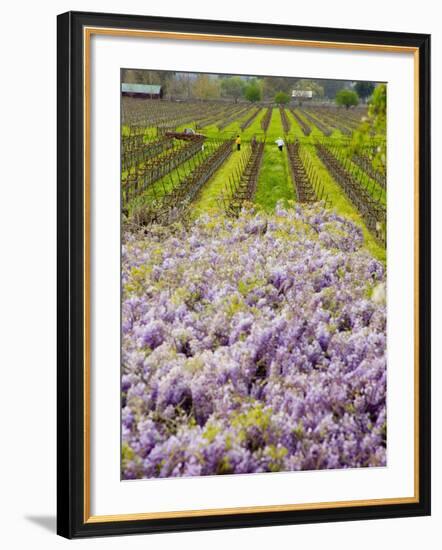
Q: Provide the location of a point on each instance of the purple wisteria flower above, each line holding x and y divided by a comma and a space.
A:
252, 345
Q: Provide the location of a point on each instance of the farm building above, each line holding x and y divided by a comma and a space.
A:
145, 91
302, 94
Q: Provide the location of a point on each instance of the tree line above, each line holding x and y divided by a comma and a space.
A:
278, 89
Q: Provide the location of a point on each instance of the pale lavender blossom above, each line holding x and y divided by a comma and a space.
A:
252, 345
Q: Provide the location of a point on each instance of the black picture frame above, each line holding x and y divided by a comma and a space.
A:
72, 521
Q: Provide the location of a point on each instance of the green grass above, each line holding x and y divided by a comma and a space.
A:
177, 146
150, 132
167, 182
295, 129
254, 128
275, 129
373, 187
274, 181
209, 197
234, 128
315, 131
343, 206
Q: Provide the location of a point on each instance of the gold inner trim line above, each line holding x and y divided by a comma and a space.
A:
87, 33
248, 510
416, 274
87, 279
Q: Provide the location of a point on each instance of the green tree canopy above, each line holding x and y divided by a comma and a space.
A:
232, 86
347, 98
282, 98
304, 84
332, 87
377, 109
253, 91
364, 89
373, 130
273, 84
206, 87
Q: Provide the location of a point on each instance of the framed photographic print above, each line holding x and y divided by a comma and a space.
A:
243, 274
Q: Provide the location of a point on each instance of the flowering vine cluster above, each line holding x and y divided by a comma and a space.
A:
255, 344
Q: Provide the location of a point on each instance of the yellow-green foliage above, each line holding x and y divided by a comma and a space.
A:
138, 276
274, 182
209, 197
277, 455
255, 417
210, 432
343, 206
127, 452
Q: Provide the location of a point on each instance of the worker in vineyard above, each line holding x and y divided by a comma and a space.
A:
238, 143
280, 143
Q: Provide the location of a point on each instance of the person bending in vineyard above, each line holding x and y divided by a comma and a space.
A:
280, 143
238, 143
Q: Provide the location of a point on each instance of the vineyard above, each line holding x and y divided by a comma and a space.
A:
157, 168
253, 277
